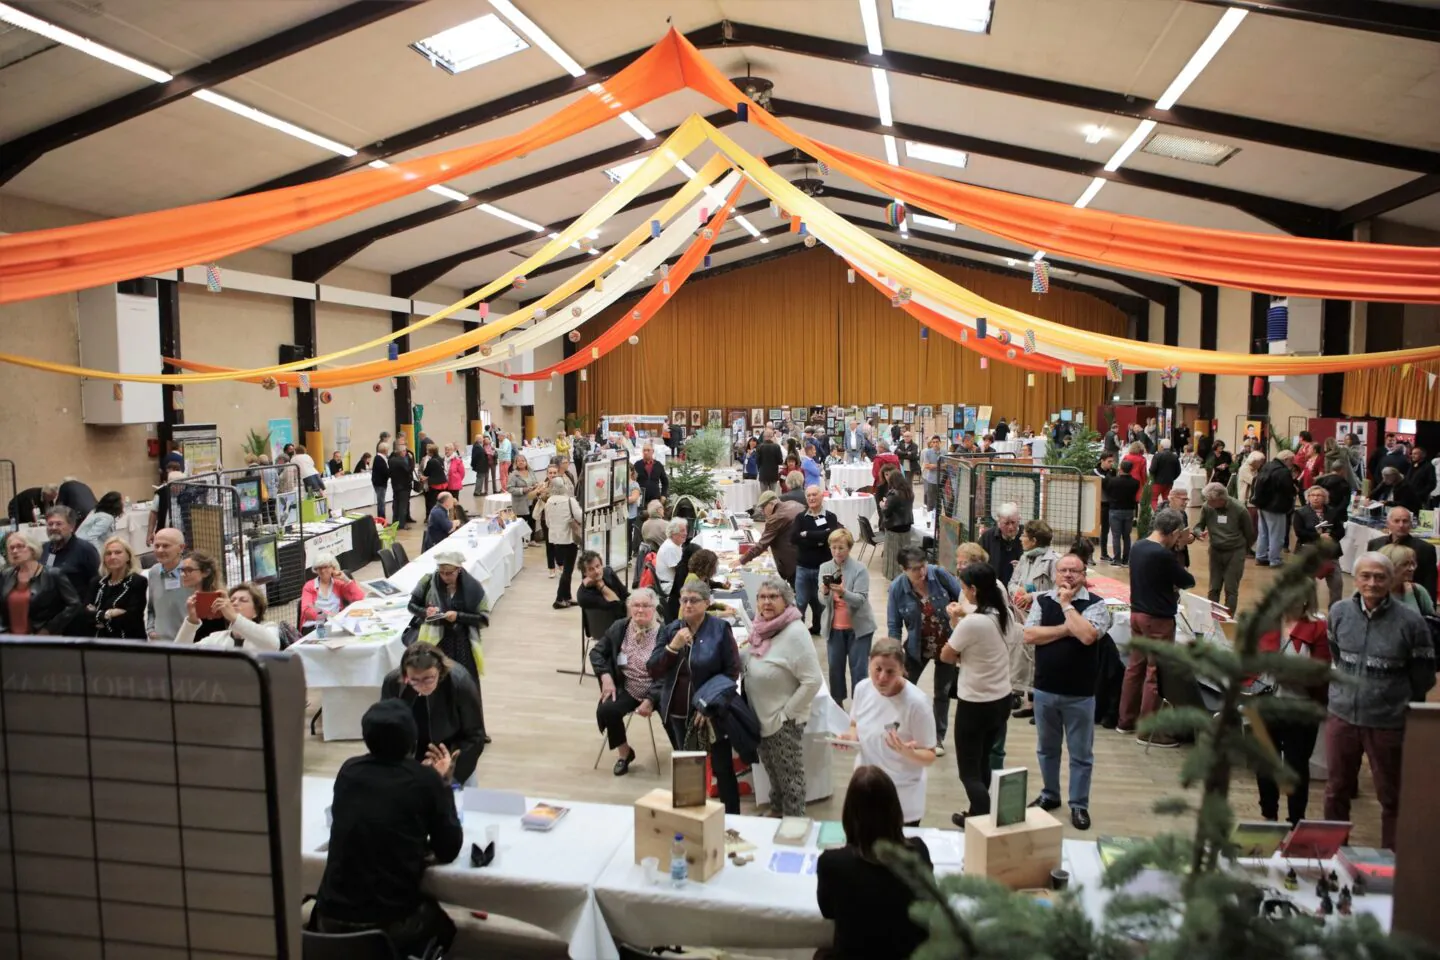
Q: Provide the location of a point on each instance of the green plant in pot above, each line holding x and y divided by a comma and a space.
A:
572, 422
1083, 453
692, 483
707, 446
256, 444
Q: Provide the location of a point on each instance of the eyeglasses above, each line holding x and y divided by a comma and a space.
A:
685, 601
191, 569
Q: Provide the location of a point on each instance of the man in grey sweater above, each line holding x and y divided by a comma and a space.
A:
1383, 660
1226, 523
165, 595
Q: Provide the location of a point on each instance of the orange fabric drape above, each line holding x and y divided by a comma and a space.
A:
794, 332
1388, 392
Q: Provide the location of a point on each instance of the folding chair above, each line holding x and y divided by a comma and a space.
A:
388, 563
867, 538
655, 750
1179, 688
401, 556
366, 945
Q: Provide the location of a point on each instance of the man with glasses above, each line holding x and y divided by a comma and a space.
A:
165, 595
1063, 627
1398, 523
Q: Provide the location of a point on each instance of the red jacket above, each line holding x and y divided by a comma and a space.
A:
1140, 471
348, 591
1307, 633
879, 464
457, 474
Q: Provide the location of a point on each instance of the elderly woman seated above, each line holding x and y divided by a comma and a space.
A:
621, 659
330, 592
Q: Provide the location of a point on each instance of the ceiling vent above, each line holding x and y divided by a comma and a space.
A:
1189, 149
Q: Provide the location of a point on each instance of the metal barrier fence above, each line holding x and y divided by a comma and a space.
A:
972, 489
9, 487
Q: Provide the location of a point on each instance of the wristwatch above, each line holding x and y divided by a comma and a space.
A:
1067, 608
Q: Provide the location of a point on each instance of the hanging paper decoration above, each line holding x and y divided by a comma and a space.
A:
742, 112
824, 168
326, 397
1003, 336
704, 214
1114, 371
1405, 369
655, 228
633, 340
1029, 379
519, 283
979, 328
1431, 378
1170, 377
881, 278
850, 276
268, 383
665, 288
582, 375
485, 350
394, 351
1069, 373
576, 312
284, 389
599, 284
1039, 276
304, 381
964, 335
636, 315
707, 260
1277, 320
1257, 387
810, 240
984, 363
895, 301
376, 387
664, 269
904, 294
586, 244
1010, 354
1029, 341
574, 336
483, 309
774, 209
804, 230
708, 234
925, 333
894, 214
794, 224
212, 277
539, 313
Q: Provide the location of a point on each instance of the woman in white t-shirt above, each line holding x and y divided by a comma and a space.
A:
893, 724
980, 643
309, 474
670, 553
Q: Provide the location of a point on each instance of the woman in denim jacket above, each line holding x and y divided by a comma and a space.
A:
917, 602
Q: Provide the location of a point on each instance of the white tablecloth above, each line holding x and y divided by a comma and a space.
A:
1192, 482
352, 491
541, 878
849, 510
1357, 537
539, 457
851, 476
134, 525
495, 502
739, 496
1034, 447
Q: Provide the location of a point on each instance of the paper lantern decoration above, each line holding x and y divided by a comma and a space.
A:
1003, 336
633, 340
574, 336
582, 375
485, 350
586, 244
704, 214
964, 336
284, 389
979, 328
212, 278
1257, 387
594, 353
268, 383
1010, 354
636, 315
707, 260
599, 284
1277, 320
376, 387
1029, 379
539, 313
576, 312
655, 228
810, 240
326, 397
1039, 276
665, 288
774, 209
519, 283
708, 234
483, 309
1170, 377
1069, 374
925, 333
449, 379
394, 351
1114, 372
664, 269
742, 112
850, 276
984, 363
1029, 341
894, 214
904, 294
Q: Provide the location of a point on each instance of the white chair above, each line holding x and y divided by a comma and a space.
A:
655, 750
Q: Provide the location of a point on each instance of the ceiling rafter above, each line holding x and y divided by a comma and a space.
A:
24, 150
1395, 19
1392, 199
315, 262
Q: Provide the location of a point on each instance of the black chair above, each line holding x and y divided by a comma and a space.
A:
366, 945
867, 538
388, 561
1179, 688
593, 624
401, 556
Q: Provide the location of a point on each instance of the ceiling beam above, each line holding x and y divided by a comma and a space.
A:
1392, 199
1089, 98
19, 153
1395, 19
468, 119
314, 263
1296, 218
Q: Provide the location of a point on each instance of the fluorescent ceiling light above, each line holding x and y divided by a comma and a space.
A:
620, 171
891, 154
1130, 145
1094, 133
470, 44
1095, 185
519, 221
274, 123
76, 42
928, 151
936, 222
447, 193
882, 95
870, 17
633, 122
538, 37
1202, 57
972, 16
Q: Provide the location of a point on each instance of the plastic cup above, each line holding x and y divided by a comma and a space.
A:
651, 866
1059, 879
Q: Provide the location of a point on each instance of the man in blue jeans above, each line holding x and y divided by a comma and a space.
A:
1063, 627
1274, 497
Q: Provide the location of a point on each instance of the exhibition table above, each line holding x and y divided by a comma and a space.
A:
495, 502
736, 495
851, 476
352, 491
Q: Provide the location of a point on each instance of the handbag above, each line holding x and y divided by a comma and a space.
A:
577, 532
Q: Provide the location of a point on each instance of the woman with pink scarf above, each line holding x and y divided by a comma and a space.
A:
782, 677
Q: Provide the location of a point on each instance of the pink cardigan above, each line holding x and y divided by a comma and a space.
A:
349, 592
457, 474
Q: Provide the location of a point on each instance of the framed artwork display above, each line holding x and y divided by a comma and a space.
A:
775, 416
620, 479
712, 417
734, 413
678, 416
695, 416
618, 554
926, 411
595, 540
757, 416
597, 484
897, 414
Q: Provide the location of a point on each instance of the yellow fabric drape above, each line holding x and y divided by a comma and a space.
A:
1383, 392
793, 331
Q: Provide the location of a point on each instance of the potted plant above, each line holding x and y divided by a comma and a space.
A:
692, 486
256, 444
571, 422
707, 447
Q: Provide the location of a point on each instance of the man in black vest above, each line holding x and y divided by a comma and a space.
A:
1063, 626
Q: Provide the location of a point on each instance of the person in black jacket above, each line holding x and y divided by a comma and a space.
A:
49, 604
1398, 523
1164, 471
1122, 491
480, 464
1105, 470
1274, 496
868, 902
390, 816
1421, 478
897, 517
1002, 431
768, 459
621, 660
75, 559
600, 590
449, 609
1394, 490
650, 474
402, 471
1323, 525
445, 703
380, 477
811, 535
115, 600
77, 496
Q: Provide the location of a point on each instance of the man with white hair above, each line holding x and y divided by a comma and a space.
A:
650, 474
1384, 660
1164, 471
882, 457
1002, 541
1274, 497
668, 557
1226, 523
811, 535
1398, 523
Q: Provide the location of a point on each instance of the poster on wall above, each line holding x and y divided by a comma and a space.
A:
958, 420
757, 417
925, 411
970, 418
947, 412
1254, 433
1342, 429
982, 419
281, 433
342, 439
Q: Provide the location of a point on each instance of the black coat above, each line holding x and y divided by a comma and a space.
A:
605, 658
402, 469
53, 601
1274, 488
127, 595
768, 459
590, 598
1164, 468
653, 480
454, 717
380, 473
78, 497
478, 461
1421, 479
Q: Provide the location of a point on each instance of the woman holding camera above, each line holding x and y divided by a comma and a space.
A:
846, 622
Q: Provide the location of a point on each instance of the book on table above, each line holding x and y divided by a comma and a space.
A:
1258, 838
687, 778
831, 835
793, 831
1378, 867
1316, 839
543, 817
1010, 796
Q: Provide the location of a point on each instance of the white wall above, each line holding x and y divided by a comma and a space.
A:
1232, 393
1189, 389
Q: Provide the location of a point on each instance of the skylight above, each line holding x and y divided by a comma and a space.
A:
972, 16
928, 151
470, 44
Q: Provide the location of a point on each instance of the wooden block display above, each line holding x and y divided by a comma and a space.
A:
657, 822
1020, 855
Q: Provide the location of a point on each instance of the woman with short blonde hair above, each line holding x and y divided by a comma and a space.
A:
116, 599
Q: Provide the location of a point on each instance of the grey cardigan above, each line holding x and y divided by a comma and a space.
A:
856, 591
1383, 661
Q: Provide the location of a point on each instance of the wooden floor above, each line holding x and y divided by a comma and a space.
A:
545, 738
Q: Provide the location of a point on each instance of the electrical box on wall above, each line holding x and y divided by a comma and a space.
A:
519, 393
121, 332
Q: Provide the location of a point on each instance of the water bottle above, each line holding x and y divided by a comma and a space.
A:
458, 789
679, 867
322, 627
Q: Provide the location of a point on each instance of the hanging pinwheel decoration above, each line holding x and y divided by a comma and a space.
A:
810, 240
576, 311
485, 350
1170, 377
1003, 336
1029, 341
268, 383
633, 340
519, 283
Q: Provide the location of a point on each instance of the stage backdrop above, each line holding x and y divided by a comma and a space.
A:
793, 331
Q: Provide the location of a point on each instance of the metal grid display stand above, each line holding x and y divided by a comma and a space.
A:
971, 489
8, 485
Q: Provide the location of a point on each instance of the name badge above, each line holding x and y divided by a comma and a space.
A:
50, 561
171, 583
821, 522
1223, 521
622, 660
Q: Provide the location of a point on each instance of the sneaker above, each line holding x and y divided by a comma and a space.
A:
1124, 731
1262, 563
939, 750
1158, 741
1045, 803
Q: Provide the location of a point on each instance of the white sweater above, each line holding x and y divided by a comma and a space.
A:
984, 658
782, 684
254, 636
